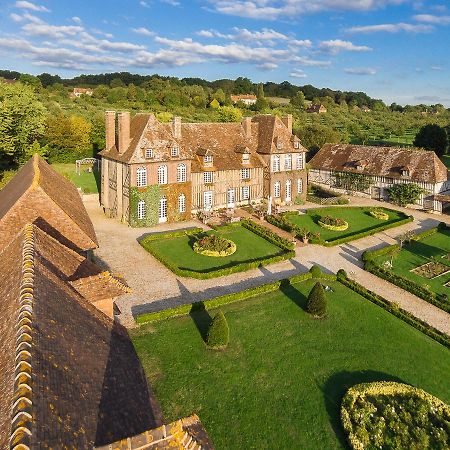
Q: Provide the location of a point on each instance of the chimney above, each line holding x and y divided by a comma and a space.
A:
247, 126
287, 120
176, 127
110, 129
123, 130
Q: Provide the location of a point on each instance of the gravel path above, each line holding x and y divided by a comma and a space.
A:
155, 287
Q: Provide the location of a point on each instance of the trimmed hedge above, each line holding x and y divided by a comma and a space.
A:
317, 302
171, 234
218, 332
267, 234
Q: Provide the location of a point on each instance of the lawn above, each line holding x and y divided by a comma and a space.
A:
87, 181
359, 220
434, 248
280, 382
177, 252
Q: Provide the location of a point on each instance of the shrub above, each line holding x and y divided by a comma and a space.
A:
378, 214
213, 245
333, 223
315, 271
218, 332
317, 303
341, 274
267, 234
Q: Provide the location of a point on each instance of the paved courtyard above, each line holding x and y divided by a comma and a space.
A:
155, 287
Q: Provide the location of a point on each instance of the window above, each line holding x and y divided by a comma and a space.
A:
174, 151
141, 177
162, 174
300, 160
245, 158
181, 173
141, 210
296, 144
245, 174
230, 198
299, 186
277, 189
207, 177
162, 210
208, 159
279, 145
182, 203
148, 153
207, 200
276, 163
288, 162
288, 190
245, 194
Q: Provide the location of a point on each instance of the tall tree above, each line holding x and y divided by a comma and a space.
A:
432, 137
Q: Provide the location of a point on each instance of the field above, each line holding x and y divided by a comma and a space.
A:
177, 252
359, 221
280, 382
87, 181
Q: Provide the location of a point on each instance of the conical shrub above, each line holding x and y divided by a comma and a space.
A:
218, 332
317, 302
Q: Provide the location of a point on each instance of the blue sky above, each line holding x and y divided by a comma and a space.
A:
397, 50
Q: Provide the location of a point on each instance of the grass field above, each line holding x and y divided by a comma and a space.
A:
279, 383
432, 248
178, 252
88, 182
359, 220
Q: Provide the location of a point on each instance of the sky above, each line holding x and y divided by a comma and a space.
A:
396, 50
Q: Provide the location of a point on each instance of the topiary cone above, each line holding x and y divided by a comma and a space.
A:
317, 302
218, 332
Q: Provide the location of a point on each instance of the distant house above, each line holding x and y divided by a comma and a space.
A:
316, 108
365, 109
383, 167
78, 92
7, 81
248, 99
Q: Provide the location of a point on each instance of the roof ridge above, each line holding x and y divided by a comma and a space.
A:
108, 275
37, 172
21, 414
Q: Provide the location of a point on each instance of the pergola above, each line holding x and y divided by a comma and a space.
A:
79, 162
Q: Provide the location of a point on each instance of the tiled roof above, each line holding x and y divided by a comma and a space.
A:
50, 191
236, 98
423, 166
70, 377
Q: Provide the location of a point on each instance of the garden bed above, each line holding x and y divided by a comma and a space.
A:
430, 270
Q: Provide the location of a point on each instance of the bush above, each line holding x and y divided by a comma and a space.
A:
341, 274
378, 214
218, 332
317, 303
315, 271
267, 234
213, 245
333, 223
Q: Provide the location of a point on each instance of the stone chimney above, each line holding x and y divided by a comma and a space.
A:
247, 126
287, 120
123, 130
176, 127
110, 129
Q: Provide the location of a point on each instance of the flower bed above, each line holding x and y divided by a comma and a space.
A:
379, 214
213, 245
431, 270
333, 223
394, 415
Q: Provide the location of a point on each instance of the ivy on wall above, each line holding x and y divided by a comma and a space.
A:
151, 196
353, 181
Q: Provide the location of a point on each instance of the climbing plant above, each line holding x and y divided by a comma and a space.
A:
353, 181
151, 196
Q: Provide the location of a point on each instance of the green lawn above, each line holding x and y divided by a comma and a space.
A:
177, 251
416, 253
359, 220
280, 382
88, 182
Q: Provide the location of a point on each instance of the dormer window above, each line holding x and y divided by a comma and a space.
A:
208, 159
296, 144
279, 145
405, 172
148, 153
174, 151
245, 158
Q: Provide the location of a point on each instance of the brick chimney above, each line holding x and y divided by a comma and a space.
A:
287, 120
110, 129
176, 127
123, 130
247, 126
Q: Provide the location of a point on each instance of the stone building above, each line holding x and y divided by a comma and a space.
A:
383, 167
247, 99
156, 172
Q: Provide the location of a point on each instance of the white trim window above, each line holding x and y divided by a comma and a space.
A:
174, 151
300, 161
141, 210
207, 200
141, 177
181, 173
279, 145
245, 174
288, 162
182, 203
162, 174
245, 193
207, 159
208, 177
162, 210
148, 153
277, 189
296, 144
276, 163
230, 197
299, 186
246, 158
288, 190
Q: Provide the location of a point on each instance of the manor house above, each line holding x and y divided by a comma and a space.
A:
155, 172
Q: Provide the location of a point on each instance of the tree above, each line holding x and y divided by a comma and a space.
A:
220, 96
317, 302
214, 104
405, 194
22, 121
432, 137
314, 136
229, 114
298, 100
218, 332
31, 80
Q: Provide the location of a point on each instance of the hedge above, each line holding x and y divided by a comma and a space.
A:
171, 234
267, 234
183, 310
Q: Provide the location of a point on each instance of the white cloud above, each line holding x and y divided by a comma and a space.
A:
268, 66
51, 31
16, 17
391, 28
429, 18
144, 31
307, 62
298, 73
437, 68
171, 2
144, 4
31, 6
77, 20
335, 46
360, 71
